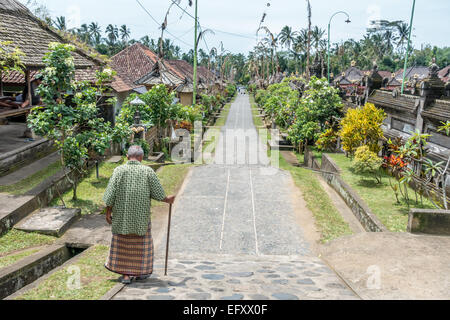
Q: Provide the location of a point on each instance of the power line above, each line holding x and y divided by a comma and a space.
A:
149, 14
216, 30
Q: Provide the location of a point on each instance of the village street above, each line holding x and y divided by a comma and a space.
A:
235, 232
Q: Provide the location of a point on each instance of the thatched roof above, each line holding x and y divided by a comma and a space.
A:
33, 36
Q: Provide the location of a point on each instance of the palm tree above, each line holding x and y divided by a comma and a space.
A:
403, 33
317, 35
125, 33
300, 46
60, 23
96, 32
287, 36
146, 41
113, 33
84, 34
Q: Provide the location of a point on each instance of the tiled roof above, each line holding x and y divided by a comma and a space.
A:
421, 72
385, 74
32, 36
183, 68
18, 78
131, 64
444, 74
385, 99
206, 74
439, 110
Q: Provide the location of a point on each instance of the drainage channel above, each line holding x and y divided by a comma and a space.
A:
31, 270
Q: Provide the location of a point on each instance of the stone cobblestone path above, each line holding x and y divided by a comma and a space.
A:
234, 233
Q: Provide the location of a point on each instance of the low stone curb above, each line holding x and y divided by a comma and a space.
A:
30, 269
113, 292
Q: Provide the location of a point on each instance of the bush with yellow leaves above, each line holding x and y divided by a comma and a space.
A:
362, 127
367, 162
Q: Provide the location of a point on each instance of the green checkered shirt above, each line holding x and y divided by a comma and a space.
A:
129, 193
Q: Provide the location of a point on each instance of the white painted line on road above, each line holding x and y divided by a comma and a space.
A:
254, 214
225, 210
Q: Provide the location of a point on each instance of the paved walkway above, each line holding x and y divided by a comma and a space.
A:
235, 234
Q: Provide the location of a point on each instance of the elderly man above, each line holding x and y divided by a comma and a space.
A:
128, 198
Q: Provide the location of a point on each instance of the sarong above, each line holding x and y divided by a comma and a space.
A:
131, 255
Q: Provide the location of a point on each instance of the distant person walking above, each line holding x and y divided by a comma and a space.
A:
128, 200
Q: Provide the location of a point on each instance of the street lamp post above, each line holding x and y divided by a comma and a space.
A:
329, 28
409, 45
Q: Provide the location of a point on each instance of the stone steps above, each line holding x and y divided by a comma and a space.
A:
14, 208
50, 221
29, 170
239, 277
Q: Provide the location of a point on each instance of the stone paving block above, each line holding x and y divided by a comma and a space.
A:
50, 221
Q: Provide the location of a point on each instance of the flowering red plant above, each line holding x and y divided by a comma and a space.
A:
394, 163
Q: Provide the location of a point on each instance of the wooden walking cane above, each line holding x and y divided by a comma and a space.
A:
168, 239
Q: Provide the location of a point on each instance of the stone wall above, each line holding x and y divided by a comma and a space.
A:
151, 136
30, 269
310, 160
330, 172
14, 160
435, 222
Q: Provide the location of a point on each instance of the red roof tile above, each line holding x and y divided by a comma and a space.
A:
131, 64
444, 74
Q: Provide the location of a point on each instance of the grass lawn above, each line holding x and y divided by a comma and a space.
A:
16, 240
329, 221
33, 181
90, 191
96, 280
13, 258
379, 197
171, 178
210, 136
257, 120
223, 115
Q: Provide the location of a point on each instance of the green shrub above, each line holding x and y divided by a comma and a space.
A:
367, 162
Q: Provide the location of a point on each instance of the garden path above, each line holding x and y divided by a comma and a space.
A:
235, 232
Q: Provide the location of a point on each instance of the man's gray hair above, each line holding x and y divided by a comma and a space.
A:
135, 152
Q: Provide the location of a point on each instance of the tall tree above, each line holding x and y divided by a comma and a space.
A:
308, 50
60, 23
125, 34
96, 32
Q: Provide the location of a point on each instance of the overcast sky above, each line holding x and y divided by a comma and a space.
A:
242, 17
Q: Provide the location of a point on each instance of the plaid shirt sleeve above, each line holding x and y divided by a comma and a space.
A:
111, 190
157, 191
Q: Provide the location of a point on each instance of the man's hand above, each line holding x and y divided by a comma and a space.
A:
109, 215
169, 199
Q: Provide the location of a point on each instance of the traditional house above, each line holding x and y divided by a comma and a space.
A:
210, 79
425, 110
139, 68
351, 82
412, 77
32, 36
131, 64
